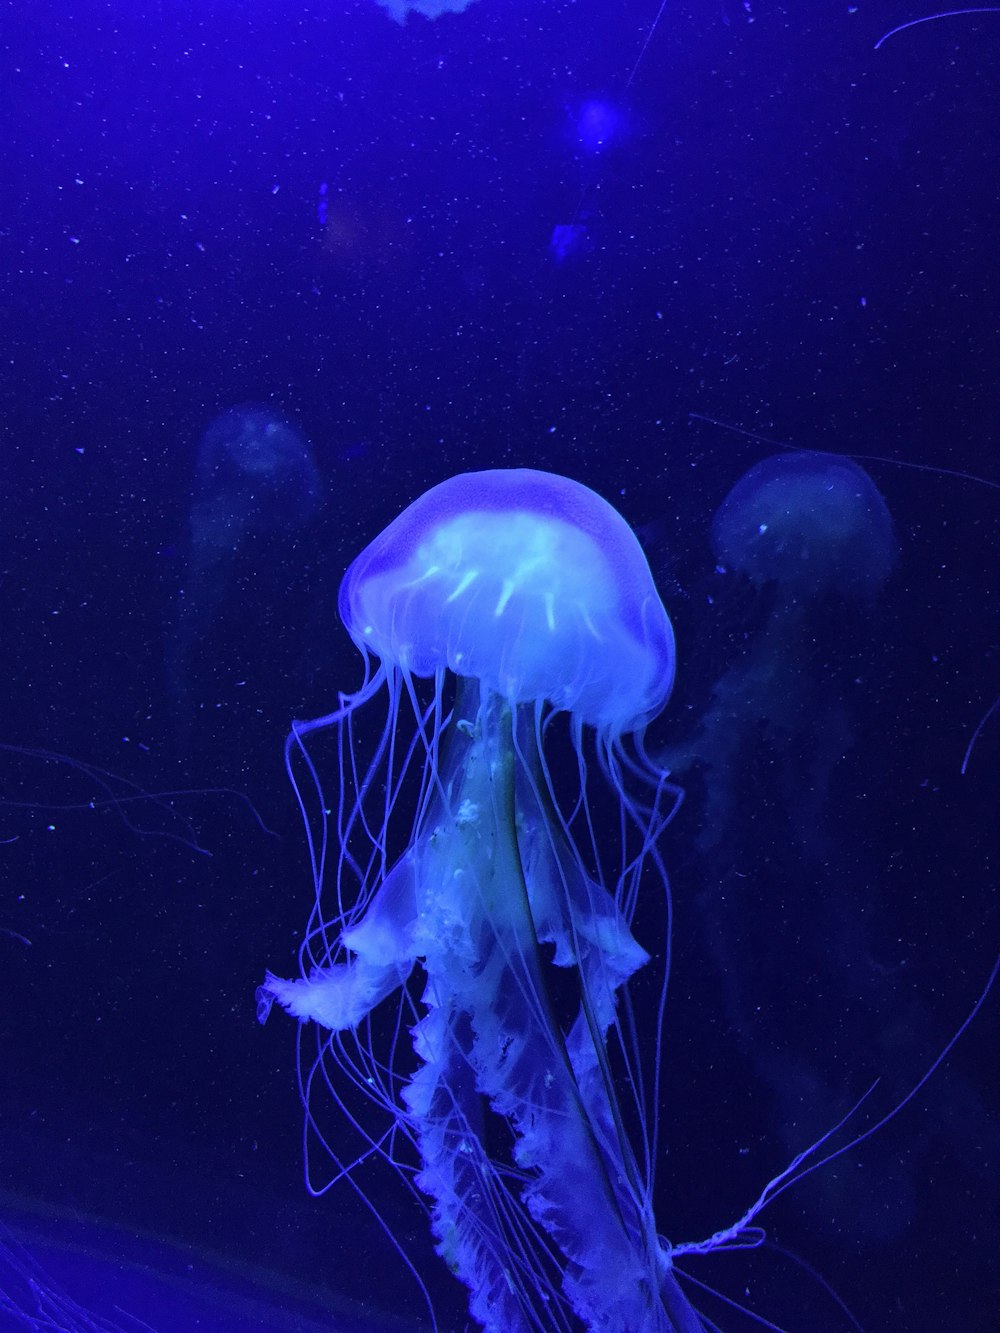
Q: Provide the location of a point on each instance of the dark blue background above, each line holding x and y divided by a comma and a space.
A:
792, 233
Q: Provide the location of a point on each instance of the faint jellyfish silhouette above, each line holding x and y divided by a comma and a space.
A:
255, 477
811, 536
813, 522
430, 9
569, 240
596, 123
805, 545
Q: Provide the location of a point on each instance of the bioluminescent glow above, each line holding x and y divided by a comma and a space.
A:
465, 998
489, 857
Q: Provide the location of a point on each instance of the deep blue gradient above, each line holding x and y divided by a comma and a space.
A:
347, 221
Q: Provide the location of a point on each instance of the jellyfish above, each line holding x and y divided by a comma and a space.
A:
811, 539
778, 810
813, 522
431, 9
488, 857
255, 478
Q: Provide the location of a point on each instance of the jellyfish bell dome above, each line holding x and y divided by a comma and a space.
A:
528, 581
814, 523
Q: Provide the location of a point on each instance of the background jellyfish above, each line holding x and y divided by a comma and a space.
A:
431, 9
811, 539
777, 816
255, 481
484, 900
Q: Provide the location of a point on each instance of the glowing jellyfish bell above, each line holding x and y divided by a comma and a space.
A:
460, 851
527, 581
